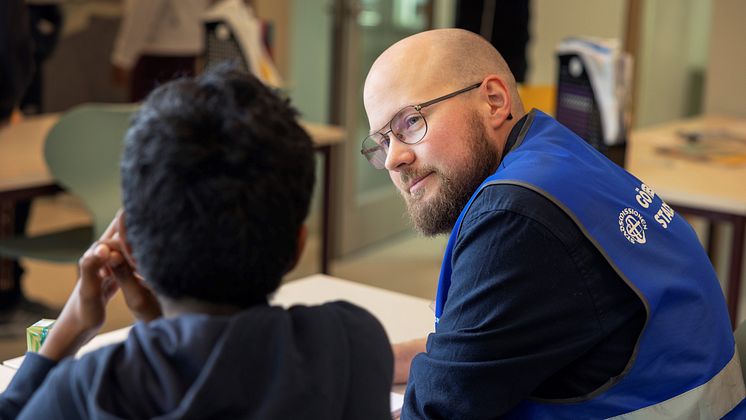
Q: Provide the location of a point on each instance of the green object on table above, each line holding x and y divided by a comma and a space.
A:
37, 333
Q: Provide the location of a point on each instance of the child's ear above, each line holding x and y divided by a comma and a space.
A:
122, 229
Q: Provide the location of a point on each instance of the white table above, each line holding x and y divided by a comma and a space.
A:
704, 188
6, 374
403, 317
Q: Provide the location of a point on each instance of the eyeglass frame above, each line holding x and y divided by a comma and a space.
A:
417, 108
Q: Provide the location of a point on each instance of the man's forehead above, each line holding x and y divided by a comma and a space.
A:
384, 95
383, 106
403, 65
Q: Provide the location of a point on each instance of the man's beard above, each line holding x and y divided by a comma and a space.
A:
439, 214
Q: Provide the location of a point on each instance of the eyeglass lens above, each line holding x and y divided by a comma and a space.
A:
409, 127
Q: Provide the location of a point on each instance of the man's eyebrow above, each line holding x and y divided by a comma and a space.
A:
399, 109
385, 124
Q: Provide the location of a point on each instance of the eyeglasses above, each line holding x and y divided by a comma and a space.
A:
408, 126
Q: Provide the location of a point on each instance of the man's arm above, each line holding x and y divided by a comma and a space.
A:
517, 312
404, 352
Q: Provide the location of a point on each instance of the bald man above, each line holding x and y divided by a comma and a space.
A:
569, 288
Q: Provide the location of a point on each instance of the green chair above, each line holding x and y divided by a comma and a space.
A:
82, 152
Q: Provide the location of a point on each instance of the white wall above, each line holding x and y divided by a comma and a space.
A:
725, 86
671, 60
553, 20
310, 58
444, 13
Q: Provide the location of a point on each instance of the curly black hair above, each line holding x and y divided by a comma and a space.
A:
217, 176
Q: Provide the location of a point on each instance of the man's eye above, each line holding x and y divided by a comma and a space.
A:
412, 120
385, 141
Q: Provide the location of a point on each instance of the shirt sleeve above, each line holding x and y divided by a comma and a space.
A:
24, 384
517, 312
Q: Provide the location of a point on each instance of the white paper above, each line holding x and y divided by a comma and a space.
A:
397, 400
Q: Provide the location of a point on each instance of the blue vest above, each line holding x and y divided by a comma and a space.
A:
687, 343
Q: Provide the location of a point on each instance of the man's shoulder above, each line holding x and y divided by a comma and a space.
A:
511, 200
502, 196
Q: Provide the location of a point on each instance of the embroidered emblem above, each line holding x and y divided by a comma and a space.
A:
633, 226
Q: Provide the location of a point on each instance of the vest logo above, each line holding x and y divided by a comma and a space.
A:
633, 226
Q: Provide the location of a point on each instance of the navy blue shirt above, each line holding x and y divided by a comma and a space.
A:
331, 361
534, 310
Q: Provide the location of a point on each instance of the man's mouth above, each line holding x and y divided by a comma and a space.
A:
416, 183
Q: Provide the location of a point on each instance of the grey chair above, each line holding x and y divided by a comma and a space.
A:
82, 152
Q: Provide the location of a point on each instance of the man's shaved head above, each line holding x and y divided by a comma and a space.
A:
449, 58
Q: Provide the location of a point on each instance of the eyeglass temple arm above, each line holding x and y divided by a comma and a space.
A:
371, 150
444, 97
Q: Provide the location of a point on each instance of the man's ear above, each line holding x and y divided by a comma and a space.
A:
302, 236
498, 100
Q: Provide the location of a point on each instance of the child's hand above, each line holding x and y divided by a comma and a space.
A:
85, 310
140, 298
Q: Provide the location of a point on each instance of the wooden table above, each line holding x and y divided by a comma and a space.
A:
705, 188
403, 317
24, 174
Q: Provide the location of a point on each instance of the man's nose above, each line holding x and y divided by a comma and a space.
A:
399, 155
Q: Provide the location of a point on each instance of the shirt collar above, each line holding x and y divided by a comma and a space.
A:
513, 136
